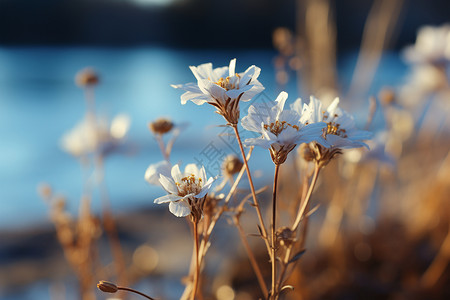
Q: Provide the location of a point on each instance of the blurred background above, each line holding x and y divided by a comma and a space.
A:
348, 48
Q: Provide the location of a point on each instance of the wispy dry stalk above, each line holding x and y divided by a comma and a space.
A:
304, 203
378, 32
439, 264
316, 45
252, 188
248, 249
109, 223
77, 238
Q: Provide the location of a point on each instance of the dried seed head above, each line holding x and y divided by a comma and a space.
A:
285, 236
87, 77
107, 287
231, 165
160, 126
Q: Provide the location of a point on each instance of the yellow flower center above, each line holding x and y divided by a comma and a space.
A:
277, 127
227, 84
189, 185
333, 127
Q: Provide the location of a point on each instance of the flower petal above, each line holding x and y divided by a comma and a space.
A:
192, 169
168, 184
179, 208
206, 188
176, 173
154, 170
167, 198
232, 68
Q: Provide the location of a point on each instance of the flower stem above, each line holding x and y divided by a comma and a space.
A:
252, 188
134, 291
197, 267
251, 257
305, 201
274, 239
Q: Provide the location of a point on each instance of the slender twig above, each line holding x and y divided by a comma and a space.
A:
109, 224
197, 266
252, 188
302, 208
251, 257
134, 291
161, 145
274, 239
437, 267
111, 228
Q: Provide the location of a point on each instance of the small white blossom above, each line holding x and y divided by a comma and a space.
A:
341, 131
187, 190
281, 130
432, 45
222, 87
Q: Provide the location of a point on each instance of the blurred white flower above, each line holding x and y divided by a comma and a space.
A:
341, 131
91, 135
432, 45
187, 190
377, 152
222, 87
154, 170
281, 130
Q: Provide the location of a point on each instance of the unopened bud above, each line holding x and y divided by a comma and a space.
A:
107, 287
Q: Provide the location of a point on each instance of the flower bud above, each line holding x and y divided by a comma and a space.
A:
107, 287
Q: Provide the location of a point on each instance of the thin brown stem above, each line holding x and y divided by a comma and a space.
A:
134, 291
197, 266
251, 257
274, 239
161, 145
304, 204
252, 188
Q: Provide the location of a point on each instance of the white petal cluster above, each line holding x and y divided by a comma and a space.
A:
91, 135
341, 131
280, 129
221, 84
187, 189
432, 45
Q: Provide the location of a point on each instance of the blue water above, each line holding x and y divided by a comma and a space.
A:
39, 102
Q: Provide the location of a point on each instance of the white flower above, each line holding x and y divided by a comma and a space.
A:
154, 170
91, 135
341, 131
432, 45
222, 87
281, 130
187, 190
